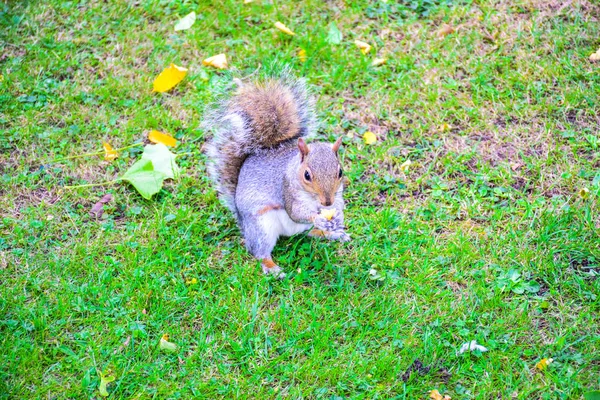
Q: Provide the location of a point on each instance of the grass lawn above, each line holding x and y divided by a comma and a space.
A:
491, 234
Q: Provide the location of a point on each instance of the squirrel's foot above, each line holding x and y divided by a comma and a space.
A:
270, 268
335, 235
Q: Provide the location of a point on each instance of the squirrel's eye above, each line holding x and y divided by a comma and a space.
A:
340, 173
307, 175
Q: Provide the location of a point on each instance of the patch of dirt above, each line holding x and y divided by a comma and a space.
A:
34, 197
458, 289
418, 367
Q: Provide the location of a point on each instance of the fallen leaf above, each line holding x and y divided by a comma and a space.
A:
284, 28
378, 61
144, 178
470, 346
435, 395
584, 193
543, 363
302, 55
105, 379
405, 165
334, 36
369, 137
219, 61
186, 22
595, 56
445, 127
158, 137
98, 208
327, 213
363, 46
168, 78
109, 153
162, 159
166, 345
445, 30
192, 281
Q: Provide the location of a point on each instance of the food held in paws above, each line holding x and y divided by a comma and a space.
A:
327, 213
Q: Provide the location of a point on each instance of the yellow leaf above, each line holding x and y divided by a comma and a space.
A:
192, 281
327, 214
405, 165
105, 379
284, 28
584, 193
435, 395
109, 153
219, 61
159, 137
168, 78
445, 127
364, 47
302, 55
378, 61
445, 30
1, 77
166, 345
369, 137
543, 363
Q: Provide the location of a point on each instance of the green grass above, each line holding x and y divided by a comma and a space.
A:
497, 191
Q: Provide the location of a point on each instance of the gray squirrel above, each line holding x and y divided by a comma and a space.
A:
273, 182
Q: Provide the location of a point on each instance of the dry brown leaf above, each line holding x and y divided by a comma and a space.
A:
445, 30
435, 395
98, 208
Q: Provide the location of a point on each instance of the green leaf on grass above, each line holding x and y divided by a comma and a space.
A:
186, 22
335, 35
144, 178
148, 173
162, 159
105, 379
166, 345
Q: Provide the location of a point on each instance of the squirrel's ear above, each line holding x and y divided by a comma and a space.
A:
303, 148
336, 146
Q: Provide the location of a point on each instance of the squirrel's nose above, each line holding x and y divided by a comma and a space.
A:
327, 203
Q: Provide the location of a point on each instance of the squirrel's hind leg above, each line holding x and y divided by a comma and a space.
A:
260, 244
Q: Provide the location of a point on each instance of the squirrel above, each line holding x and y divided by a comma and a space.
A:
274, 183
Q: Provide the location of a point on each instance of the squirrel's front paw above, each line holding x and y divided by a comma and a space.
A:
338, 235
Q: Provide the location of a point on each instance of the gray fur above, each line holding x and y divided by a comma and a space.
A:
231, 128
266, 195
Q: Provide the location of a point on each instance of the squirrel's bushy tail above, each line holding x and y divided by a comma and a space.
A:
257, 116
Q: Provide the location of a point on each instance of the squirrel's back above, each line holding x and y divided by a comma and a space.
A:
257, 117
